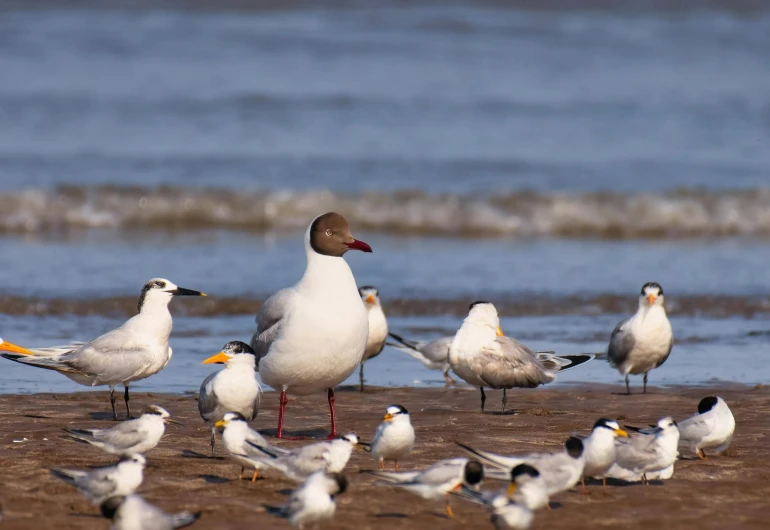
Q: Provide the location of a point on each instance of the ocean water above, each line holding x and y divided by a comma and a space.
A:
548, 156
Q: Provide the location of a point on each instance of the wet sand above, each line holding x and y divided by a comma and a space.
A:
729, 491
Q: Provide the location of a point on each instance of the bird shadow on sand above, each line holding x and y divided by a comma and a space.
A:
285, 491
390, 515
103, 416
193, 454
37, 417
616, 482
277, 511
214, 479
502, 413
309, 434
88, 515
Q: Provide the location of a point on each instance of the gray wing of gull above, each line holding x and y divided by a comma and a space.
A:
269, 320
622, 342
509, 363
208, 402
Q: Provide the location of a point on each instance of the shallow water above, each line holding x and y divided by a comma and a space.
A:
551, 157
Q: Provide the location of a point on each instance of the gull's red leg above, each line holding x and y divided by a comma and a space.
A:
332, 434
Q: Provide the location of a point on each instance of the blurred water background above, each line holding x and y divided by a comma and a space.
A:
550, 156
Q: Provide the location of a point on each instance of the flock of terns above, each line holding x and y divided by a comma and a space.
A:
311, 337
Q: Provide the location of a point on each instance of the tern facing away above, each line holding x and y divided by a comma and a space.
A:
134, 351
378, 327
314, 500
643, 342
234, 389
311, 336
100, 484
560, 471
132, 512
711, 428
129, 437
483, 357
235, 435
434, 355
394, 438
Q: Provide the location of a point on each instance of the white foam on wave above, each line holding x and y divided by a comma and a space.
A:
676, 214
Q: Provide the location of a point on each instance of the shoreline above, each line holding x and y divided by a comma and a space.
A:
727, 491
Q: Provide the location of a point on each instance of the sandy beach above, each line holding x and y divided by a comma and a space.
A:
730, 491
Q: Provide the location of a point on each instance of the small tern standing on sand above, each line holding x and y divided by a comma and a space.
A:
711, 428
134, 351
644, 341
394, 438
378, 327
330, 456
129, 437
483, 357
134, 513
314, 501
645, 453
100, 484
526, 488
599, 449
434, 355
437, 481
311, 336
560, 471
234, 389
235, 435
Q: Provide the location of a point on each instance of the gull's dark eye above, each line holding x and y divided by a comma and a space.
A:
329, 232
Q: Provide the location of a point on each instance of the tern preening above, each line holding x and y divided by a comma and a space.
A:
132, 512
129, 437
378, 327
134, 351
311, 336
642, 342
484, 357
234, 389
100, 484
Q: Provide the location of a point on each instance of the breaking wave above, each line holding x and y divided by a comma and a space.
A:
719, 306
677, 214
